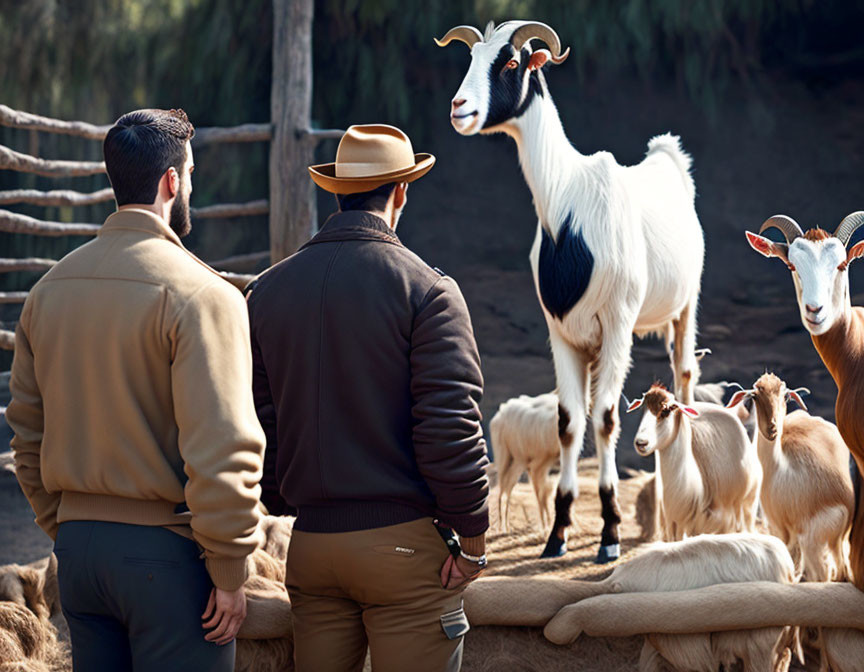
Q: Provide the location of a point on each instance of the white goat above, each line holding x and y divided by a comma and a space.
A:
807, 493
524, 435
708, 469
618, 250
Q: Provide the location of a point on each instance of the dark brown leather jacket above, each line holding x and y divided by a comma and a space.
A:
367, 383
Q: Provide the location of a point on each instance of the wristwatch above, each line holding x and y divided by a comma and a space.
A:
479, 560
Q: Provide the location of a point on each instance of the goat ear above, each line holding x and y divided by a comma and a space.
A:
636, 403
794, 396
768, 248
539, 58
856, 251
737, 398
688, 410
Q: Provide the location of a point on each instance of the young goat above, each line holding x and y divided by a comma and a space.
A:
807, 493
819, 263
708, 469
524, 435
618, 250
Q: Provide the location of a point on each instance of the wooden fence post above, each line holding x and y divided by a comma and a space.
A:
293, 214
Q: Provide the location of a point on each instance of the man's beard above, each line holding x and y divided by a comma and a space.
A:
180, 222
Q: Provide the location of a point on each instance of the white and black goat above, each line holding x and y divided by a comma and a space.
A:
618, 250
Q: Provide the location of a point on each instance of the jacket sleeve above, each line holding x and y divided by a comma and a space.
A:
271, 497
220, 440
25, 417
446, 387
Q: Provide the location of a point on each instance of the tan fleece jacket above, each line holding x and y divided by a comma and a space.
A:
132, 394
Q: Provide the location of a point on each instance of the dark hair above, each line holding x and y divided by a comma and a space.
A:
140, 147
375, 200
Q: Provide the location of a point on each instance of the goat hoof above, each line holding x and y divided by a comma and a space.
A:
608, 553
555, 547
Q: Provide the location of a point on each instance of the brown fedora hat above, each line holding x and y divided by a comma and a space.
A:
370, 156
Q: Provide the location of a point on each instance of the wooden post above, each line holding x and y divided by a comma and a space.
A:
293, 215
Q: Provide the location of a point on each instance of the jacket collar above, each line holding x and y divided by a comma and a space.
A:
354, 225
140, 220
134, 219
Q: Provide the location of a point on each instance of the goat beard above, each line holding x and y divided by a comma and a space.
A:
180, 220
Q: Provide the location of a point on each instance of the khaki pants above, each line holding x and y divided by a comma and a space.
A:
380, 588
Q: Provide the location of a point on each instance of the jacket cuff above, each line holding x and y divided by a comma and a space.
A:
227, 573
468, 525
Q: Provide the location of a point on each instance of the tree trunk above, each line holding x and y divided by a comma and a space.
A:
292, 193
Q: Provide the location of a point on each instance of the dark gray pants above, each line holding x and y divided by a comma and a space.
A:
133, 597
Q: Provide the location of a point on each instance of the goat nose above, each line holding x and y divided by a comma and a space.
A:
641, 443
458, 102
813, 309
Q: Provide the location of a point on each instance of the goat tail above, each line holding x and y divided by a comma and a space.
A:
671, 145
856, 538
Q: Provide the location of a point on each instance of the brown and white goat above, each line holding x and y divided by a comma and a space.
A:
807, 493
524, 435
819, 262
708, 472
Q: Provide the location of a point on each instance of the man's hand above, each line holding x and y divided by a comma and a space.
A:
225, 613
458, 571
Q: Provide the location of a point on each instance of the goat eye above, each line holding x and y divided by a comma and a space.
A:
512, 64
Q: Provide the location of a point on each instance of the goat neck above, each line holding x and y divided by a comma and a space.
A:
770, 452
676, 460
547, 158
842, 346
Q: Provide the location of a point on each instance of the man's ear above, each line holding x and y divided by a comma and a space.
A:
400, 196
539, 58
172, 181
768, 248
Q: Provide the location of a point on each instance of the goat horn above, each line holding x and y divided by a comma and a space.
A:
467, 34
787, 225
540, 31
848, 226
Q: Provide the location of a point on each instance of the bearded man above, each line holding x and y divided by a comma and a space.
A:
136, 439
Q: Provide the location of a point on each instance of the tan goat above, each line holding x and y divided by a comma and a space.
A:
807, 493
708, 475
524, 434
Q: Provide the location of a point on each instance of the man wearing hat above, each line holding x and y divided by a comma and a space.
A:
367, 383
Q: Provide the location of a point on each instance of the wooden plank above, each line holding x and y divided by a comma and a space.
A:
237, 279
317, 134
13, 297
18, 119
57, 197
27, 264
82, 129
293, 215
24, 163
242, 133
260, 207
13, 222
239, 262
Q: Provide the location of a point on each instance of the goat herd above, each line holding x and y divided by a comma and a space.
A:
619, 251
